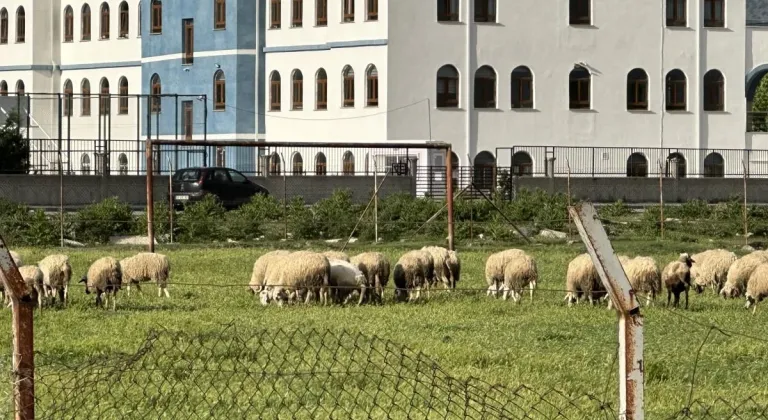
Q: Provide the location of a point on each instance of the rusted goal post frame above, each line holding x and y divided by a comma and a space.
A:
611, 272
150, 143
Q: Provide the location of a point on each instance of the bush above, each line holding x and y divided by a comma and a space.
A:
617, 209
249, 221
161, 222
336, 216
42, 231
97, 222
14, 221
401, 214
301, 223
202, 221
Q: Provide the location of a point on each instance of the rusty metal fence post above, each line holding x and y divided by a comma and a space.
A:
449, 197
23, 336
631, 370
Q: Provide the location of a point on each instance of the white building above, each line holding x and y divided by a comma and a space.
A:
488, 74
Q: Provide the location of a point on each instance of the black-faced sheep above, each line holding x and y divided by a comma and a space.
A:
105, 278
739, 272
57, 273
582, 281
375, 267
144, 267
711, 269
677, 278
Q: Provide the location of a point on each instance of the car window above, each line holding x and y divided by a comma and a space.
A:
186, 175
220, 175
237, 177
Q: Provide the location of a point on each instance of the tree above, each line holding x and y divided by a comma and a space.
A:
760, 101
14, 148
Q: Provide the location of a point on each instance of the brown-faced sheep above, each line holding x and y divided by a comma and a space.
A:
33, 278
454, 268
105, 278
410, 276
677, 278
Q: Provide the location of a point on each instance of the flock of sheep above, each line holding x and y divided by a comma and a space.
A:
105, 277
303, 276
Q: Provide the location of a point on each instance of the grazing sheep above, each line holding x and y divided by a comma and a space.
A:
757, 287
677, 278
336, 255
57, 273
105, 278
495, 266
454, 268
375, 267
146, 266
410, 276
583, 281
288, 277
518, 273
16, 258
260, 270
711, 269
739, 272
440, 257
428, 266
346, 280
644, 276
33, 278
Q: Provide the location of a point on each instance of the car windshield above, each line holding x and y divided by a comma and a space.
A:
187, 175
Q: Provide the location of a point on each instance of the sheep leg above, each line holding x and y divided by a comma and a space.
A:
677, 299
138, 289
64, 295
165, 290
159, 291
686, 298
754, 309
362, 296
532, 286
669, 296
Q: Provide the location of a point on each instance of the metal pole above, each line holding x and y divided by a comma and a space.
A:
568, 165
631, 370
138, 134
205, 130
23, 336
661, 199
170, 197
150, 185
449, 197
375, 203
70, 103
746, 227
429, 117
61, 180
285, 198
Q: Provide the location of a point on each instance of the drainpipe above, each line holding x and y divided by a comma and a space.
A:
663, 85
698, 84
468, 77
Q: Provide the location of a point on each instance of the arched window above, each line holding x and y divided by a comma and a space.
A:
85, 101
485, 10
484, 170
157, 17
321, 12
274, 164
447, 10
69, 24
297, 90
447, 87
579, 86
348, 10
348, 163
676, 13
714, 91
275, 14
485, 87
21, 25
348, 76
579, 13
372, 86
3, 26
321, 164
85, 164
676, 91
20, 88
124, 20
104, 97
373, 10
714, 166
156, 90
122, 86
85, 23
3, 88
637, 90
714, 13
676, 166
298, 164
274, 91
297, 13
219, 91
67, 100
122, 161
522, 88
522, 164
637, 165
104, 33
321, 90
219, 14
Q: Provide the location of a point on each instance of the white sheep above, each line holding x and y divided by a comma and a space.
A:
375, 266
105, 278
336, 255
519, 273
442, 272
346, 280
57, 273
260, 270
288, 277
410, 276
739, 272
710, 269
454, 268
757, 287
677, 278
495, 266
144, 267
583, 281
643, 275
33, 279
428, 267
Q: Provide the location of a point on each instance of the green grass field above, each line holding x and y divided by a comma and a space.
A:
543, 345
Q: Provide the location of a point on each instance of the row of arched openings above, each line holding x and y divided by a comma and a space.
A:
86, 22
321, 89
105, 99
85, 164
21, 25
274, 164
579, 89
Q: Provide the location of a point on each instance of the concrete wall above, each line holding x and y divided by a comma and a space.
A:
43, 190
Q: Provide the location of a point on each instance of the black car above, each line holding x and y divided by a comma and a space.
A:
230, 186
